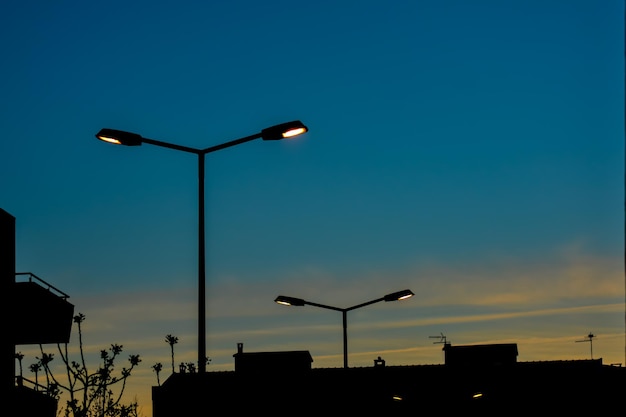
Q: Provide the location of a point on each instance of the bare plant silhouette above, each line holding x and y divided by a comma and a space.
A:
90, 393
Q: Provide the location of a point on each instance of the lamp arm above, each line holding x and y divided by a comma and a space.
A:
365, 304
325, 306
231, 143
201, 151
171, 146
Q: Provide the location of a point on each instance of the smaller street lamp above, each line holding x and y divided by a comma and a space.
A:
299, 302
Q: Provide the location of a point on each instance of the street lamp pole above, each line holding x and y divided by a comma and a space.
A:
201, 269
292, 301
277, 132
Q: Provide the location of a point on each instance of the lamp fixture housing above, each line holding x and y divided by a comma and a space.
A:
119, 137
284, 130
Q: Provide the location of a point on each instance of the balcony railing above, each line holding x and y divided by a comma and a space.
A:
32, 277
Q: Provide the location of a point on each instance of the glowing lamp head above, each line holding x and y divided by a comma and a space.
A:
294, 132
119, 137
284, 130
289, 301
400, 295
109, 139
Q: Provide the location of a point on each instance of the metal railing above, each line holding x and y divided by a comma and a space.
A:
32, 277
20, 381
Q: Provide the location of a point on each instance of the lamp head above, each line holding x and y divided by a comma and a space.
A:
284, 130
289, 301
119, 137
399, 295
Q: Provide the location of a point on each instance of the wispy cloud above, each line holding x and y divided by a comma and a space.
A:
572, 284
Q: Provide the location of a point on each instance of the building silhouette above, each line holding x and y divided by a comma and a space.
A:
44, 316
485, 379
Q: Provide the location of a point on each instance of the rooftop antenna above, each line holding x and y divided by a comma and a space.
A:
589, 339
441, 337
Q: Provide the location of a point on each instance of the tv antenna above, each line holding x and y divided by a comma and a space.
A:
441, 337
589, 339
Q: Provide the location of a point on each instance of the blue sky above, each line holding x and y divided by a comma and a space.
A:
472, 151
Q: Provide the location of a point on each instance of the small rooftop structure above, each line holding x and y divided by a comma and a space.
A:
480, 355
295, 361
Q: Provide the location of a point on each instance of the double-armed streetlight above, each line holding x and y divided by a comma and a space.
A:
120, 137
292, 301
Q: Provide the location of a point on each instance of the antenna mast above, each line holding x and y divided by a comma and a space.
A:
589, 339
441, 337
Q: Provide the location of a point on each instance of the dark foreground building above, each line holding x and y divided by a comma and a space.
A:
484, 379
35, 312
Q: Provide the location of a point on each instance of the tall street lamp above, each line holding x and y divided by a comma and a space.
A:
281, 131
292, 301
